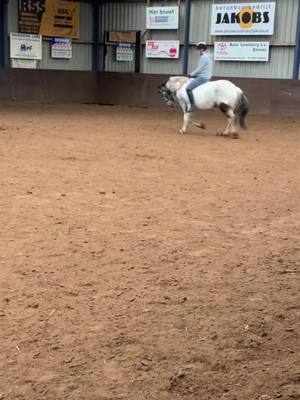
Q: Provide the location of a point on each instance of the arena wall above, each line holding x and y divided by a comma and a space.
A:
48, 86
267, 96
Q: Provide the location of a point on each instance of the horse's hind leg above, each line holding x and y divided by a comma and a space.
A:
233, 132
231, 129
186, 119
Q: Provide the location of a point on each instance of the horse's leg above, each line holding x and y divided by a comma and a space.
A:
227, 129
200, 124
186, 119
231, 129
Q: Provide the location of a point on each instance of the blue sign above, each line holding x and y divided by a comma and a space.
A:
61, 48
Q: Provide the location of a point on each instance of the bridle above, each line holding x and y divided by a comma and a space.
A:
167, 95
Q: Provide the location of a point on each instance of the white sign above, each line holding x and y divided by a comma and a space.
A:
243, 18
23, 63
162, 48
241, 51
25, 46
61, 48
162, 17
124, 52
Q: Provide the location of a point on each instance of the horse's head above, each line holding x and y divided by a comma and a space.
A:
167, 94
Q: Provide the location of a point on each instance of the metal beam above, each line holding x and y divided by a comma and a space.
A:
186, 40
297, 48
96, 33
3, 33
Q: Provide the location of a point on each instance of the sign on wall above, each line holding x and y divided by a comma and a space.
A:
162, 17
124, 37
162, 48
124, 52
243, 18
61, 48
25, 46
21, 63
241, 51
49, 17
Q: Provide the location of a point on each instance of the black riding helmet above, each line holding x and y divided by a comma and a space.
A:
201, 46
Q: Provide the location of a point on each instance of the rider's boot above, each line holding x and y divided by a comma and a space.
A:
191, 98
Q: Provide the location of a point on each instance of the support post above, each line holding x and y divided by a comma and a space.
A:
137, 62
186, 40
3, 32
297, 48
96, 32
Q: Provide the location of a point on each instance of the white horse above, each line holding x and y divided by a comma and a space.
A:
223, 94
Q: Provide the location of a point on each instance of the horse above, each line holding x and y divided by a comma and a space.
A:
223, 94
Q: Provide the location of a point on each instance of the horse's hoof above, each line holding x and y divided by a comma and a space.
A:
235, 135
182, 131
200, 125
222, 134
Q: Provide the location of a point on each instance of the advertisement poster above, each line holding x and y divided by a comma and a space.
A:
241, 51
61, 48
243, 18
25, 46
162, 17
162, 49
49, 18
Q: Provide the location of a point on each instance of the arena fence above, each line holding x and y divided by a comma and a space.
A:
267, 96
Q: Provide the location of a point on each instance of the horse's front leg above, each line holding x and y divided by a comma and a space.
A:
186, 119
200, 124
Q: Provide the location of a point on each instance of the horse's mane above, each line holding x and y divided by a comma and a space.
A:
176, 82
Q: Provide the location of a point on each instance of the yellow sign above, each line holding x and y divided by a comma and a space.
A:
49, 18
124, 37
61, 18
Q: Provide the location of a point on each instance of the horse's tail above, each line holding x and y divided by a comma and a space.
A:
242, 109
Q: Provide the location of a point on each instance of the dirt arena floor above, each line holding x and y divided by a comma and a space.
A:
140, 264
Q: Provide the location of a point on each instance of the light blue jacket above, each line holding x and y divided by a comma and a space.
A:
204, 68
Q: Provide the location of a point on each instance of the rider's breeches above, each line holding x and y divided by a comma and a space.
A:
195, 82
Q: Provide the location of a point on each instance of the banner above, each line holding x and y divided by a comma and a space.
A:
61, 48
241, 51
162, 48
49, 18
243, 18
162, 17
25, 46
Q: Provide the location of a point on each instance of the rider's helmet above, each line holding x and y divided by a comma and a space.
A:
201, 46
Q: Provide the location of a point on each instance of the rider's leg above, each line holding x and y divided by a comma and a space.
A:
195, 82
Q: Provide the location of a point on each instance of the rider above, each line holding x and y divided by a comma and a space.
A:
202, 73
